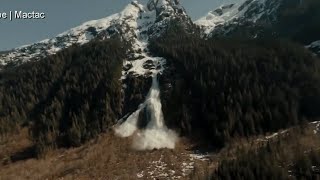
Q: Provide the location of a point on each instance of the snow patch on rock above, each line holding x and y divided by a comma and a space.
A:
314, 46
237, 13
219, 16
317, 127
200, 156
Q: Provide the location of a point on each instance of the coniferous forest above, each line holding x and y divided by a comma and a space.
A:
274, 161
67, 98
227, 88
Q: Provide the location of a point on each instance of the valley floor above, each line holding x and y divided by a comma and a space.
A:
107, 157
110, 157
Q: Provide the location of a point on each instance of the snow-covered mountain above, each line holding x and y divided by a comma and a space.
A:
245, 11
142, 18
139, 22
147, 18
292, 19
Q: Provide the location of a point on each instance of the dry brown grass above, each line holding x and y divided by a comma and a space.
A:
14, 147
294, 140
109, 157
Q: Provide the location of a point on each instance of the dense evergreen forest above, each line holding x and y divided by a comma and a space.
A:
226, 88
66, 98
282, 158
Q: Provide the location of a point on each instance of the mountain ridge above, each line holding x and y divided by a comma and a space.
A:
123, 23
295, 20
253, 18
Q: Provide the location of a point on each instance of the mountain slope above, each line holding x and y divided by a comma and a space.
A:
80, 95
291, 19
148, 76
243, 12
143, 16
226, 88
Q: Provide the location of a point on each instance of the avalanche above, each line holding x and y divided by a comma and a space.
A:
156, 135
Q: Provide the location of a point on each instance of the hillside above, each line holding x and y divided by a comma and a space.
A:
148, 94
227, 88
291, 19
110, 157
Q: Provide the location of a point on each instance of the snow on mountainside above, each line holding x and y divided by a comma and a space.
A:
315, 47
290, 19
147, 17
220, 16
243, 11
217, 17
79, 35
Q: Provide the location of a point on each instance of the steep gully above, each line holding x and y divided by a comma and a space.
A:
155, 135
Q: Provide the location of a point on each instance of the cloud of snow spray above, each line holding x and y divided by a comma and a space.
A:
156, 135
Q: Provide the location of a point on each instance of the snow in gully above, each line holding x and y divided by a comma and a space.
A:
156, 135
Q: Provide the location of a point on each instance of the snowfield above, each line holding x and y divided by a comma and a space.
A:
237, 13
219, 16
124, 22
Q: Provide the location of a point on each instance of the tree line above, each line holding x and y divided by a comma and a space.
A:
282, 158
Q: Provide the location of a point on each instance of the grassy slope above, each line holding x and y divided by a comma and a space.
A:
110, 157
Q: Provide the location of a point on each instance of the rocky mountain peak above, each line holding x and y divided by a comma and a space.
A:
145, 18
297, 20
245, 11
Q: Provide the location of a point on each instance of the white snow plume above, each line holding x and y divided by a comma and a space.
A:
156, 135
128, 127
155, 138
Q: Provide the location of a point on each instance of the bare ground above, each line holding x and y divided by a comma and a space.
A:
107, 157
110, 157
